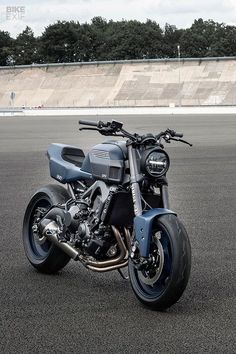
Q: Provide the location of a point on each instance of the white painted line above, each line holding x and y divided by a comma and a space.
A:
101, 111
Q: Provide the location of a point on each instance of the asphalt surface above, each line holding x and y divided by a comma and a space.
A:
78, 311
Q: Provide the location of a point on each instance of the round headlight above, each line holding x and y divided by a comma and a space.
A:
155, 162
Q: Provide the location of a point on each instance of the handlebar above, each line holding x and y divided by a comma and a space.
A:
89, 122
115, 128
179, 135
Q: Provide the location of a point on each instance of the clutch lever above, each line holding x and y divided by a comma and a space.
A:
103, 131
107, 131
88, 128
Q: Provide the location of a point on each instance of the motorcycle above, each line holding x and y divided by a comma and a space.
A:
114, 213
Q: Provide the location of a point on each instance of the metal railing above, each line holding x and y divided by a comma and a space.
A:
113, 62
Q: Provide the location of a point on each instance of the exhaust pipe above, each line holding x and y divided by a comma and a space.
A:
115, 263
51, 231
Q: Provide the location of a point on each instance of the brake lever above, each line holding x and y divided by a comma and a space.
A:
182, 141
185, 142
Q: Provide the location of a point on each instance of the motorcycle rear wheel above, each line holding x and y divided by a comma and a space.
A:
41, 253
161, 286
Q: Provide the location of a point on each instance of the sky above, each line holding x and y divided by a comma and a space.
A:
15, 15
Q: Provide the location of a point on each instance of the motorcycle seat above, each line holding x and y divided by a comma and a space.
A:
73, 155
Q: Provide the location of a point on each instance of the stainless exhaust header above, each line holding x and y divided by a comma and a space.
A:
112, 264
51, 231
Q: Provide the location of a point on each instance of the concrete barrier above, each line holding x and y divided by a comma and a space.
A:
117, 84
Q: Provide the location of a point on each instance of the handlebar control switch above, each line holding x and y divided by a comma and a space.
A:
116, 125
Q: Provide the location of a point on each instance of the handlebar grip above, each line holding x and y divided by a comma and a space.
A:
179, 135
89, 122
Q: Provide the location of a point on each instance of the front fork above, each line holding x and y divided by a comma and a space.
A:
140, 250
135, 178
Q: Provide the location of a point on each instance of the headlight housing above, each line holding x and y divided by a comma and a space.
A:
155, 162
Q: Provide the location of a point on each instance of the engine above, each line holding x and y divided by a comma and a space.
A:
92, 236
81, 226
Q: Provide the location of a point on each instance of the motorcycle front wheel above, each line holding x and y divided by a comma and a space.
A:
162, 284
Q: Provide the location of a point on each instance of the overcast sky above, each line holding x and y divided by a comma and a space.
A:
39, 13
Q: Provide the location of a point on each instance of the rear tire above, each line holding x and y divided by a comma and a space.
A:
161, 287
45, 257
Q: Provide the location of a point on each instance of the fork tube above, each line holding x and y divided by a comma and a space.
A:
165, 196
134, 179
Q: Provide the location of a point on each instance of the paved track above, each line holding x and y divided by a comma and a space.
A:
78, 311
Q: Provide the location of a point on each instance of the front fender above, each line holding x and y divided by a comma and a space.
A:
143, 228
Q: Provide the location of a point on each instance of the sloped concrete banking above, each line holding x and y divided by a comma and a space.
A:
118, 84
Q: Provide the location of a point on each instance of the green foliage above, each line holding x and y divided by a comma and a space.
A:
25, 48
100, 39
56, 45
205, 39
172, 37
6, 44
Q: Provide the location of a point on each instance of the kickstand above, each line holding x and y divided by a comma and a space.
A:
122, 275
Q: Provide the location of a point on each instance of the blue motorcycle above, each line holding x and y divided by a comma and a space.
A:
113, 213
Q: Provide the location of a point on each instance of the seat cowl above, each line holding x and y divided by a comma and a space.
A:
64, 162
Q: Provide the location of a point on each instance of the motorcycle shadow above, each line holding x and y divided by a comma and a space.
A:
202, 295
82, 279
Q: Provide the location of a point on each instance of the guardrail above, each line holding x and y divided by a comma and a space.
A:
135, 61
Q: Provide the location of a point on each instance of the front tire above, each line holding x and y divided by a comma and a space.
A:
162, 285
41, 253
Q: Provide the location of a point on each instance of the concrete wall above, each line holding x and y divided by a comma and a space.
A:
136, 83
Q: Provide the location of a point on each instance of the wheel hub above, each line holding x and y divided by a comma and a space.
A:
38, 238
151, 275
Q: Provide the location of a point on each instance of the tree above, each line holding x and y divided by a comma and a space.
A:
131, 40
202, 39
25, 48
225, 45
6, 48
93, 40
152, 40
69, 41
57, 43
172, 37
